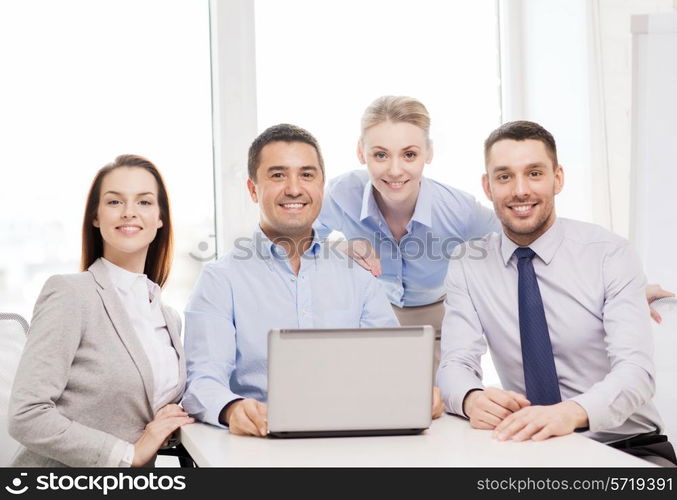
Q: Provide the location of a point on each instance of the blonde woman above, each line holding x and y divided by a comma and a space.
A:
103, 364
413, 222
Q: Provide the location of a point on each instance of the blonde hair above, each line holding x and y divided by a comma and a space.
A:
396, 109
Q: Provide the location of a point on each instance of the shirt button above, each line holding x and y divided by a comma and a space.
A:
293, 278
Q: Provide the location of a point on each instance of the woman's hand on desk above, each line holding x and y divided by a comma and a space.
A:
167, 420
247, 417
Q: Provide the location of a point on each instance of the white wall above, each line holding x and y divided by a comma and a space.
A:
615, 54
654, 182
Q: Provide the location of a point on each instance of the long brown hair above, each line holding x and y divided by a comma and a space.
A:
161, 250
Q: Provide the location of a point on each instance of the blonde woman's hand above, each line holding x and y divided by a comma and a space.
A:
363, 253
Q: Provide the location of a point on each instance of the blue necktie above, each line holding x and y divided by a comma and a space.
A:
540, 375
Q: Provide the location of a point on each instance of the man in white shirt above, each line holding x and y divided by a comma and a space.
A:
561, 305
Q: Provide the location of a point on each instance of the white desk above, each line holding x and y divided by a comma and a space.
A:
450, 442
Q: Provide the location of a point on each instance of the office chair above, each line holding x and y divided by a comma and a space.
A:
176, 449
13, 330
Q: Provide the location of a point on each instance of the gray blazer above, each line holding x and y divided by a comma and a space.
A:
84, 386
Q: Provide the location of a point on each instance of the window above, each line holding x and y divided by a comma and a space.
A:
319, 65
82, 83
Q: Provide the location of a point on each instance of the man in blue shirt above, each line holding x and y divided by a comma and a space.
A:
283, 278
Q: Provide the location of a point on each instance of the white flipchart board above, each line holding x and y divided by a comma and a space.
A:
654, 183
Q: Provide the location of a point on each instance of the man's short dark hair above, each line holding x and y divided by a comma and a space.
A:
284, 132
522, 131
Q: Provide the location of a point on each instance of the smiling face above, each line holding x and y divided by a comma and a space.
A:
289, 189
395, 154
522, 182
128, 215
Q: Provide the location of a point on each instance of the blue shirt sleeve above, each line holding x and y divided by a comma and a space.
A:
210, 346
331, 216
483, 221
376, 310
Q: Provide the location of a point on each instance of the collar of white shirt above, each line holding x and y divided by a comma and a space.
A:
123, 279
545, 246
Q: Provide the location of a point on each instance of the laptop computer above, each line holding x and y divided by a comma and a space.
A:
350, 382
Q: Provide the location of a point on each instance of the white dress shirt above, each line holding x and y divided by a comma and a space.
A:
141, 299
592, 286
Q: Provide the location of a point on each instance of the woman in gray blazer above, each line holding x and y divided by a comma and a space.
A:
103, 365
